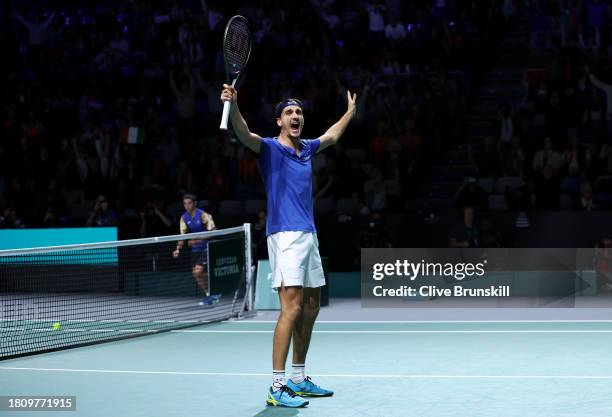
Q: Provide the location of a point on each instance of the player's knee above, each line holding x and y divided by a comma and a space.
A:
292, 311
312, 311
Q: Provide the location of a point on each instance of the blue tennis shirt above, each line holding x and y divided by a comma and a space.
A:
199, 222
287, 177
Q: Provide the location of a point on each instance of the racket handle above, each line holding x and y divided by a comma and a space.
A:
226, 110
225, 115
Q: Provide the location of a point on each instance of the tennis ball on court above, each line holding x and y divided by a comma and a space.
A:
56, 326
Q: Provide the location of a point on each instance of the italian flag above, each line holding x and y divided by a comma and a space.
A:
132, 134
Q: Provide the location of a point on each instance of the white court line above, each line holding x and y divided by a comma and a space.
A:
243, 374
398, 331
80, 330
314, 331
426, 321
105, 321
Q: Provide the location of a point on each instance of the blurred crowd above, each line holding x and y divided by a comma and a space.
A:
555, 142
110, 110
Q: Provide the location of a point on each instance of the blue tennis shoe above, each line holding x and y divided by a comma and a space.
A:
211, 300
307, 388
285, 397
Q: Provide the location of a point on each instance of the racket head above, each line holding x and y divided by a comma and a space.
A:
237, 41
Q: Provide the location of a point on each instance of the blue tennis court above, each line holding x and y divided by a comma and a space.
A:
377, 368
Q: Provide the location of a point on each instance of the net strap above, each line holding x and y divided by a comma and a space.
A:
129, 242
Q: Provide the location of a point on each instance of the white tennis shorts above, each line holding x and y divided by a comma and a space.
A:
295, 260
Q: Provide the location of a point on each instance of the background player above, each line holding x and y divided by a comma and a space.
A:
196, 220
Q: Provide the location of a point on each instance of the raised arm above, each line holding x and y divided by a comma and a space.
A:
333, 134
245, 136
606, 88
49, 20
599, 84
162, 216
23, 21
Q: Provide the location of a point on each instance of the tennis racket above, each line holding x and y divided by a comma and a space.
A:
236, 50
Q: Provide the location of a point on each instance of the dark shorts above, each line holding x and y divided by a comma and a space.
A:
199, 258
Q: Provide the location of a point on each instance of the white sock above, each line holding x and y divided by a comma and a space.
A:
278, 379
297, 373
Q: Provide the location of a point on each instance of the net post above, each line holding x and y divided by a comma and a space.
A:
248, 296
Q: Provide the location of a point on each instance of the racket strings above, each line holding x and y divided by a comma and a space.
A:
237, 44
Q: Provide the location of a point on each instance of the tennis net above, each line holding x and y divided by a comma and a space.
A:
67, 296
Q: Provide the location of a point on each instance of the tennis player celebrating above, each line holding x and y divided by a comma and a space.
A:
293, 248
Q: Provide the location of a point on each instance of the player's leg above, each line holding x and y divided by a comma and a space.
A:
198, 270
200, 277
200, 274
302, 332
291, 299
289, 284
303, 328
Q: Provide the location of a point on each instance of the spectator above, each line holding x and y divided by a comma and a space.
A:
411, 140
587, 200
101, 215
513, 160
193, 54
373, 234
376, 20
547, 156
153, 221
465, 234
596, 107
374, 189
576, 159
184, 93
539, 23
184, 178
594, 114
37, 29
394, 31
605, 158
55, 208
556, 117
379, 142
470, 194
218, 184
10, 220
505, 125
508, 8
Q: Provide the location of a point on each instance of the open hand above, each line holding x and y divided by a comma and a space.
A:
352, 99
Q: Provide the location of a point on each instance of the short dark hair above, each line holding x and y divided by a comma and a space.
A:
278, 110
189, 196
